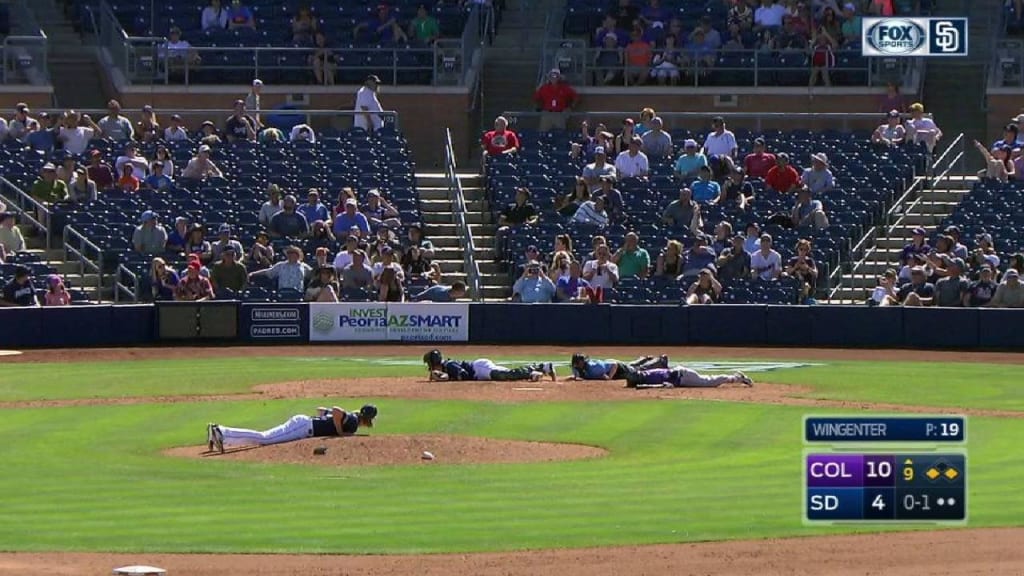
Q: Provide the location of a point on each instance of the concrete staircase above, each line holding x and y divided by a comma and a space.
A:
928, 210
439, 227
72, 272
74, 67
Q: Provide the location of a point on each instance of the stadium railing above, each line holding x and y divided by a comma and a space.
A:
133, 290
142, 59
24, 59
458, 200
753, 121
80, 250
30, 210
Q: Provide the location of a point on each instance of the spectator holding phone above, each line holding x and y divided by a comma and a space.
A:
533, 286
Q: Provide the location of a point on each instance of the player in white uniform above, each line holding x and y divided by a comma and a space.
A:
333, 422
483, 369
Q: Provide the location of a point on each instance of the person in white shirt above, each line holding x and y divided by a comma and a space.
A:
252, 101
720, 141
920, 128
215, 16
302, 132
76, 138
271, 206
632, 163
367, 102
592, 212
175, 131
601, 272
344, 256
765, 264
387, 260
200, 166
140, 166
178, 52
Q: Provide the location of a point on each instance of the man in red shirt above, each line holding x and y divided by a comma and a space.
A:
782, 177
555, 100
757, 164
501, 140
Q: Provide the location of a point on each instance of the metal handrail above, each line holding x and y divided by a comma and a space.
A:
29, 208
79, 253
9, 55
458, 199
118, 286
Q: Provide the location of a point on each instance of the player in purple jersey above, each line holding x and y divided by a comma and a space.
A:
683, 377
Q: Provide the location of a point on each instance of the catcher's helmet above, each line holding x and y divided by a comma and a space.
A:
433, 358
369, 411
579, 358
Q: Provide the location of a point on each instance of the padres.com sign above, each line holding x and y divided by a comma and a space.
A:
895, 37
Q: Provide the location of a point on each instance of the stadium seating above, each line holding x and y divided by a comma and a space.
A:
867, 180
994, 208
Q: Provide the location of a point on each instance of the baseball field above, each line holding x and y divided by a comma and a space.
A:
105, 464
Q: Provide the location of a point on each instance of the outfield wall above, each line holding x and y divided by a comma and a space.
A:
568, 324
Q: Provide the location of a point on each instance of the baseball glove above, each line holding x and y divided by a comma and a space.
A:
437, 375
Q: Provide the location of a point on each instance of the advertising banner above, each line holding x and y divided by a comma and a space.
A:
264, 322
381, 321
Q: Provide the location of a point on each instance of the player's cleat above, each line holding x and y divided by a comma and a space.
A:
209, 437
634, 379
218, 438
639, 362
549, 369
744, 379
662, 361
536, 376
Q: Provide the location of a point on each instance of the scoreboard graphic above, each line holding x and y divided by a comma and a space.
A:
885, 469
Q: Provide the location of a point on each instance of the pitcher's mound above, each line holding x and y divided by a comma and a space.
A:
391, 450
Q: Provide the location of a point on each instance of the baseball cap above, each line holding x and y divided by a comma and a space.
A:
204, 148
158, 163
636, 140
599, 150
373, 78
373, 192
917, 270
351, 202
554, 72
95, 153
952, 230
690, 143
717, 120
759, 141
959, 263
893, 114
919, 231
766, 236
22, 107
194, 265
176, 117
985, 236
49, 167
224, 228
147, 107
257, 82
147, 216
783, 156
532, 248
1012, 273
207, 123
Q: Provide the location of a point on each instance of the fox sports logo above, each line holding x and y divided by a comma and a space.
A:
895, 36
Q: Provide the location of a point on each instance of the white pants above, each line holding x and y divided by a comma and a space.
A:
296, 428
482, 368
693, 379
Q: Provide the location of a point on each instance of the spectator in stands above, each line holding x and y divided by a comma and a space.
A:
66, 170
149, 236
178, 54
178, 236
208, 134
379, 212
918, 292
938, 260
48, 189
917, 245
698, 53
818, 177
667, 61
803, 268
414, 237
323, 60
1010, 292
570, 284
633, 162
981, 291
522, 211
240, 16
131, 157
163, 281
414, 265
758, 163
162, 154
631, 258
683, 213
602, 139
45, 139
613, 201
22, 124
158, 180
367, 103
563, 244
240, 125
441, 293
601, 272
568, 205
390, 287
11, 239
656, 142
356, 274
592, 212
958, 249
609, 26
881, 8
766, 263
921, 129
314, 210
722, 238
559, 267
892, 133
737, 189
734, 262
201, 166
272, 206
892, 100
304, 26
886, 293
194, 287
850, 30
720, 140
704, 189
984, 253
351, 218
654, 15
823, 58
424, 28
998, 165
705, 290
323, 286
532, 253
196, 243
289, 223
555, 100
252, 102
382, 28
625, 13
344, 257
225, 241
387, 260
501, 140
214, 17
262, 253
73, 135
114, 126
741, 15
128, 182
290, 274
697, 258
19, 291
81, 189
670, 261
1011, 137
752, 240
808, 212
647, 115
688, 165
768, 15
99, 171
228, 273
148, 128
951, 290
638, 55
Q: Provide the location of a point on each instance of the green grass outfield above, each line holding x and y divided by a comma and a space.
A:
91, 478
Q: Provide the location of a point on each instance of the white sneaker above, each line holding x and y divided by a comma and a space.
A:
551, 371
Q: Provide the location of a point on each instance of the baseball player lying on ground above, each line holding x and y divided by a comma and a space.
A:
333, 422
682, 377
483, 369
584, 368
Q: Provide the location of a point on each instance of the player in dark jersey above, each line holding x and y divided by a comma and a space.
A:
585, 368
333, 422
483, 369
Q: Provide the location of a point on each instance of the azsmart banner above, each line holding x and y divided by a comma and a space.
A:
395, 321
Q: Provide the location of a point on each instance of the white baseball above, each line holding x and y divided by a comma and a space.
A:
427, 455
